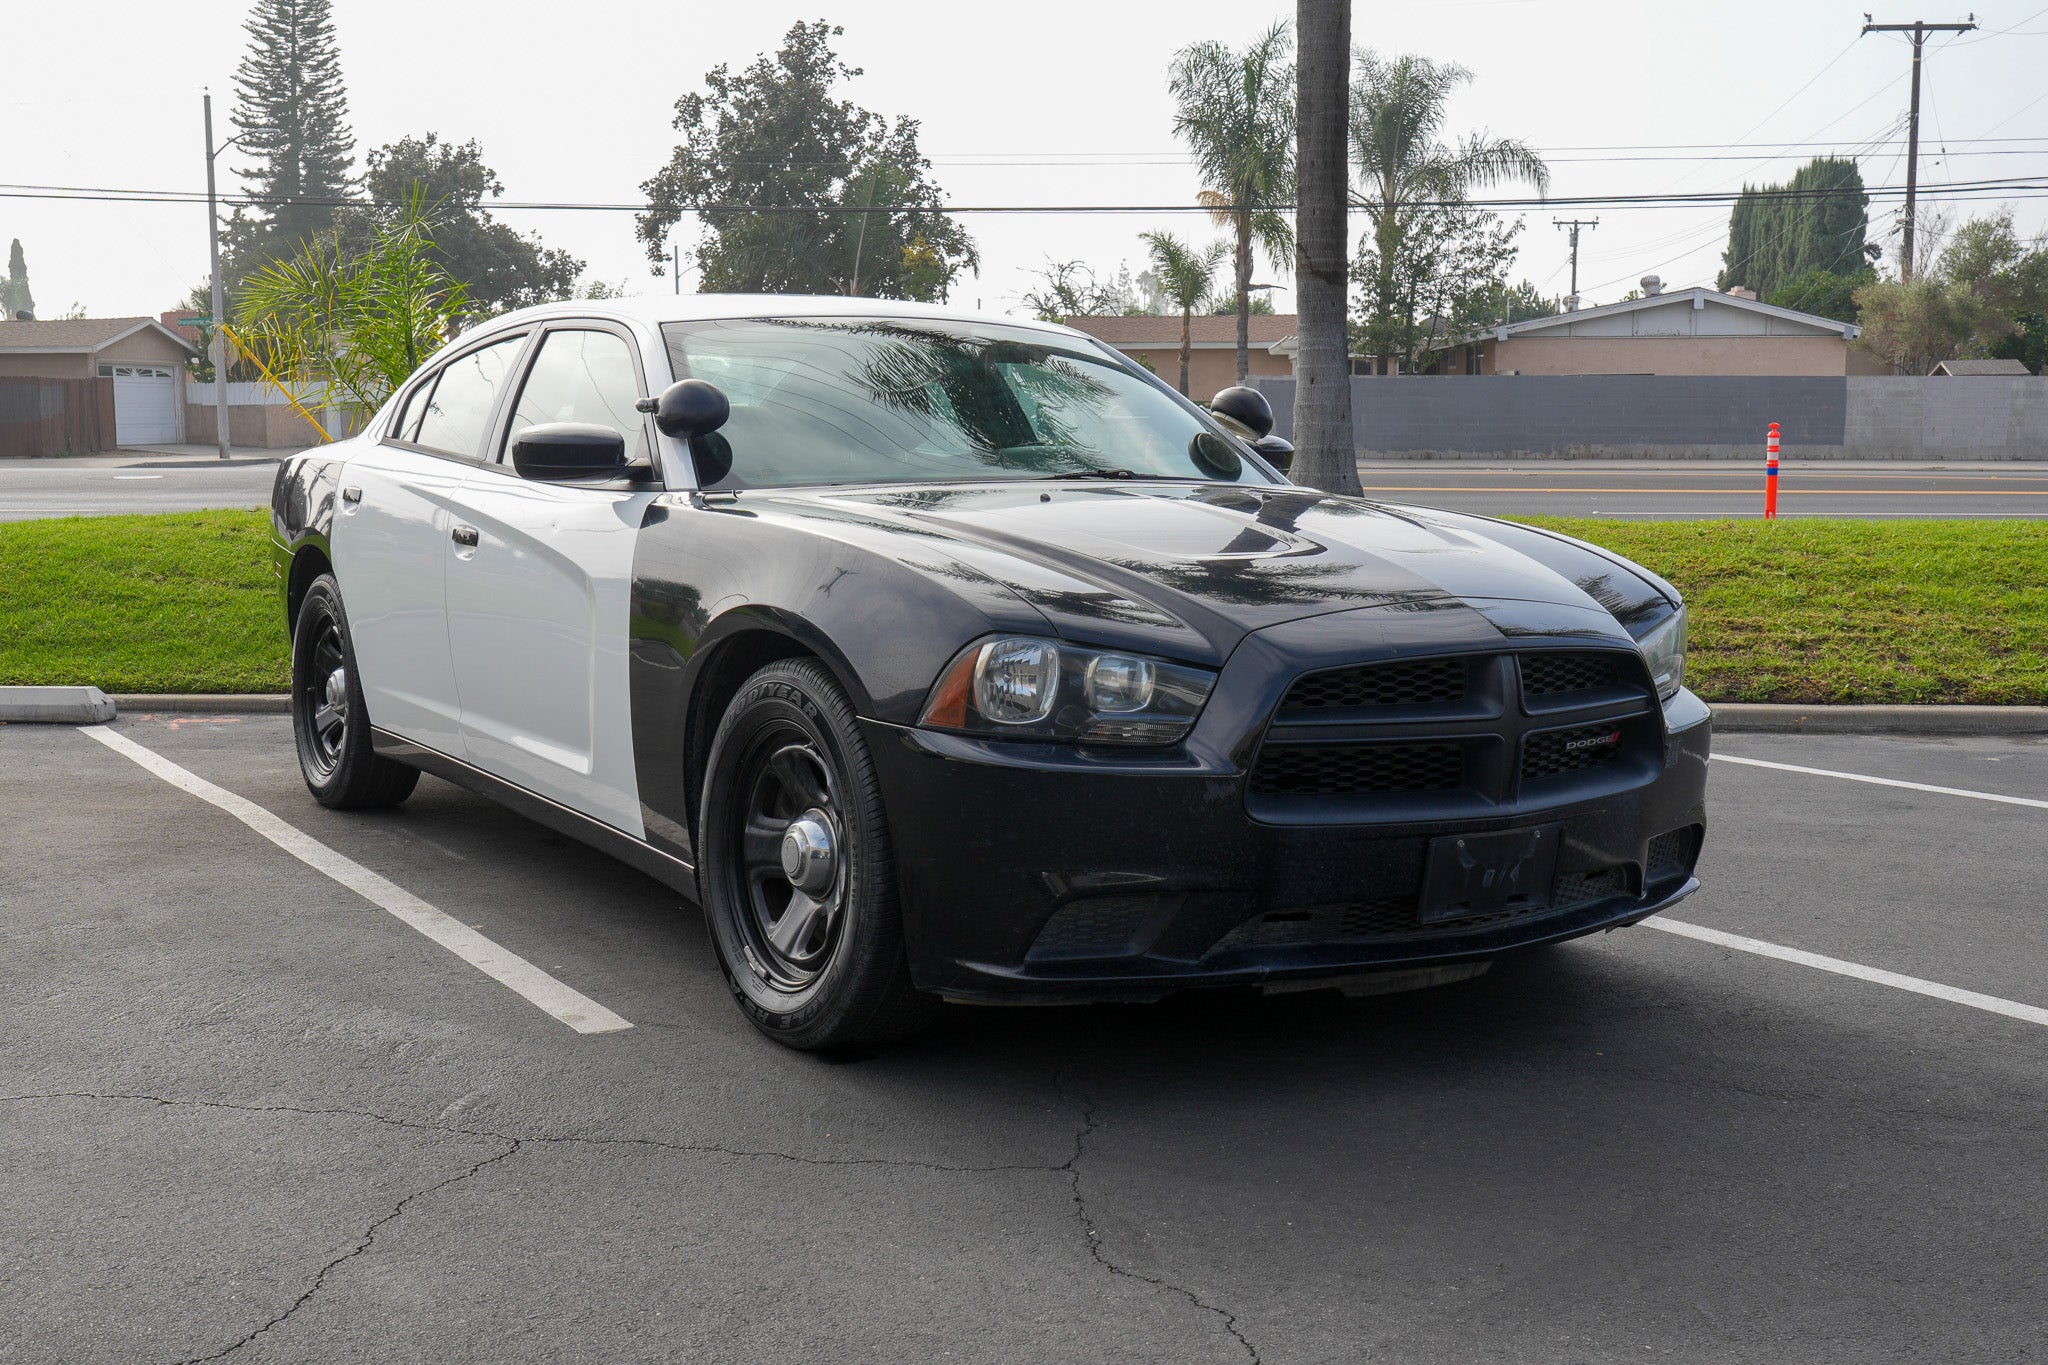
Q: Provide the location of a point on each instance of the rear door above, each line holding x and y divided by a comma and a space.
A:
393, 541
537, 609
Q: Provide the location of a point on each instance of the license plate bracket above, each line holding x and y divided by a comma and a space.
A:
1508, 871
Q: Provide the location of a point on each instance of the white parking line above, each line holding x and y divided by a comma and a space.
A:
572, 1007
2011, 1009
1886, 781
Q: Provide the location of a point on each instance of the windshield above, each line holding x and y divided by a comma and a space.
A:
914, 400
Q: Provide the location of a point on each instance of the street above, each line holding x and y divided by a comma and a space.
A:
134, 481
249, 1113
1663, 490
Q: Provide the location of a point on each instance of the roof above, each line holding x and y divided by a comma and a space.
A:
81, 335
1205, 329
1698, 298
651, 310
1977, 367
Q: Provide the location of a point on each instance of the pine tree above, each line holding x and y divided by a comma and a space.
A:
1779, 234
14, 296
293, 113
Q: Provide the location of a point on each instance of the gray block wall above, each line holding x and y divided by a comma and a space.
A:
1689, 417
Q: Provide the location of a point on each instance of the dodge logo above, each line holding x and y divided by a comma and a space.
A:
1584, 742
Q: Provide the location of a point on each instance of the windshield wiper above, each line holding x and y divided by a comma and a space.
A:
1104, 474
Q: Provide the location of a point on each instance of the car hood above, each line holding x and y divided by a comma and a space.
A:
1164, 565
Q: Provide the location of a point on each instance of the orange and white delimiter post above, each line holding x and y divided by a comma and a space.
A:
1771, 475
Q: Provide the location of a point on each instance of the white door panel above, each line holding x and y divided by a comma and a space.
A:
537, 621
391, 555
145, 403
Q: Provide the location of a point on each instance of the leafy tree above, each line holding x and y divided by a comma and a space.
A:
1235, 110
498, 268
1326, 453
2027, 342
15, 297
356, 320
292, 110
1499, 304
1260, 306
1824, 293
1409, 175
1186, 276
1452, 266
1916, 325
1069, 289
771, 164
1779, 234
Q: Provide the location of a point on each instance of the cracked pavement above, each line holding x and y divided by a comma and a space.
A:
246, 1116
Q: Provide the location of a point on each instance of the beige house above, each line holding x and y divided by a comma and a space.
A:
1154, 341
144, 360
1689, 332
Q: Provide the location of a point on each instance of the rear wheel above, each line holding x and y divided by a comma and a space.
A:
328, 717
798, 878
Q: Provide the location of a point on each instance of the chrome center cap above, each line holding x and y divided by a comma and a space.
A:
337, 689
809, 859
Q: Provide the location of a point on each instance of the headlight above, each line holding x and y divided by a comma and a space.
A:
1025, 688
1664, 651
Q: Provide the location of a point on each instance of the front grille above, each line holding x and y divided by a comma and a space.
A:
1549, 675
1449, 734
1422, 682
1355, 769
1551, 753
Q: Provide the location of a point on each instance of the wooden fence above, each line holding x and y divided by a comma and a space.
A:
55, 416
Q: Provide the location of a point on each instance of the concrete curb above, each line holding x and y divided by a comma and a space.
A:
55, 705
207, 703
1776, 718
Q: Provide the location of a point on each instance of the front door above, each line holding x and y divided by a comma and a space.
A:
538, 606
392, 544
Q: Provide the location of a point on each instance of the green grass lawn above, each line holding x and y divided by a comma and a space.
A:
176, 602
1797, 611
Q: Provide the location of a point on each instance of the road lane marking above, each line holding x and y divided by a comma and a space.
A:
1992, 1004
1886, 782
572, 1007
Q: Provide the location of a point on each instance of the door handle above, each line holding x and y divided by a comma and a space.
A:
351, 494
465, 535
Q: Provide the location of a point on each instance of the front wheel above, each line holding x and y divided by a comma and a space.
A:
329, 721
799, 882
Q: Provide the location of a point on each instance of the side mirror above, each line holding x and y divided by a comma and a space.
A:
688, 408
1277, 450
1244, 409
568, 452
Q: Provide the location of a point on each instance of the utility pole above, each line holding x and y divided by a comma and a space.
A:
220, 348
1919, 29
1572, 225
675, 264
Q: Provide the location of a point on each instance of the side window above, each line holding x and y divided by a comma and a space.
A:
458, 411
582, 377
406, 426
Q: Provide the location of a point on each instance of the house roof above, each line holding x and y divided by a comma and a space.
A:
1206, 330
1976, 367
78, 335
1697, 298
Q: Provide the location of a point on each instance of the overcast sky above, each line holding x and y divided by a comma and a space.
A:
1057, 102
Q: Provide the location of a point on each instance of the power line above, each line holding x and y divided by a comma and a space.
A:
1919, 28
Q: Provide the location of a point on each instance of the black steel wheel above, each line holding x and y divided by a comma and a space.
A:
329, 720
798, 880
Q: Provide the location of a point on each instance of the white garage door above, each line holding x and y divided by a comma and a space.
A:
145, 403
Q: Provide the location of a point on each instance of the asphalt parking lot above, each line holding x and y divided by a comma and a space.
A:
247, 1114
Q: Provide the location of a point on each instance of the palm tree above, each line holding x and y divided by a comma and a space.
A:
1325, 452
1398, 110
1186, 274
1235, 110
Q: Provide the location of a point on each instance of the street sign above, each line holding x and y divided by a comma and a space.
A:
195, 322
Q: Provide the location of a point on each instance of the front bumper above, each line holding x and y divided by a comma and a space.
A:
1066, 878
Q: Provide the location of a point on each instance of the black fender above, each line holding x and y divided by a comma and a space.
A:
720, 590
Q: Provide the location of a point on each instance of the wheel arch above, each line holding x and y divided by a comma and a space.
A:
735, 647
308, 562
